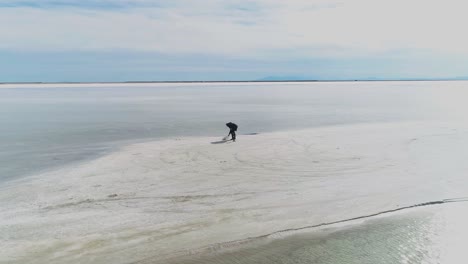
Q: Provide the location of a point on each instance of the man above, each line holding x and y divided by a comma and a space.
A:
232, 130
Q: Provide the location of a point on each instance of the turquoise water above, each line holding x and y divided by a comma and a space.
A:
52, 125
428, 235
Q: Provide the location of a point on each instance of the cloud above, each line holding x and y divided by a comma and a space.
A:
238, 28
83, 4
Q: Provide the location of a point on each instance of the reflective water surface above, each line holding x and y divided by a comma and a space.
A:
424, 235
50, 125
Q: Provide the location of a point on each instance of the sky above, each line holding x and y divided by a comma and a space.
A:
183, 40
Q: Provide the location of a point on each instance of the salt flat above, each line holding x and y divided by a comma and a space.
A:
155, 201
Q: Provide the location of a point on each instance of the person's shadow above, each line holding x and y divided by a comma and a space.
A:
230, 140
220, 142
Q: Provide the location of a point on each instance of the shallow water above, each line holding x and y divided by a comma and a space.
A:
49, 125
427, 235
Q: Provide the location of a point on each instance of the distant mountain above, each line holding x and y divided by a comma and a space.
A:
302, 78
285, 78
461, 78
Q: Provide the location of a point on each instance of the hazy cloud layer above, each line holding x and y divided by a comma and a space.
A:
237, 28
239, 38
85, 4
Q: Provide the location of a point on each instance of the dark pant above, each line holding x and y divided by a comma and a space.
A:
233, 134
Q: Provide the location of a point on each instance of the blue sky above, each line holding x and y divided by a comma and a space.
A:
121, 40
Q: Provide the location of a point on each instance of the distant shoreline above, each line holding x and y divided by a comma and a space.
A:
246, 81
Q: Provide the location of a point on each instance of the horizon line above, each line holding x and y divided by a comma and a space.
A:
247, 81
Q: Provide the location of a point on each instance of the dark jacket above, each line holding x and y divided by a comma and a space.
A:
232, 126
